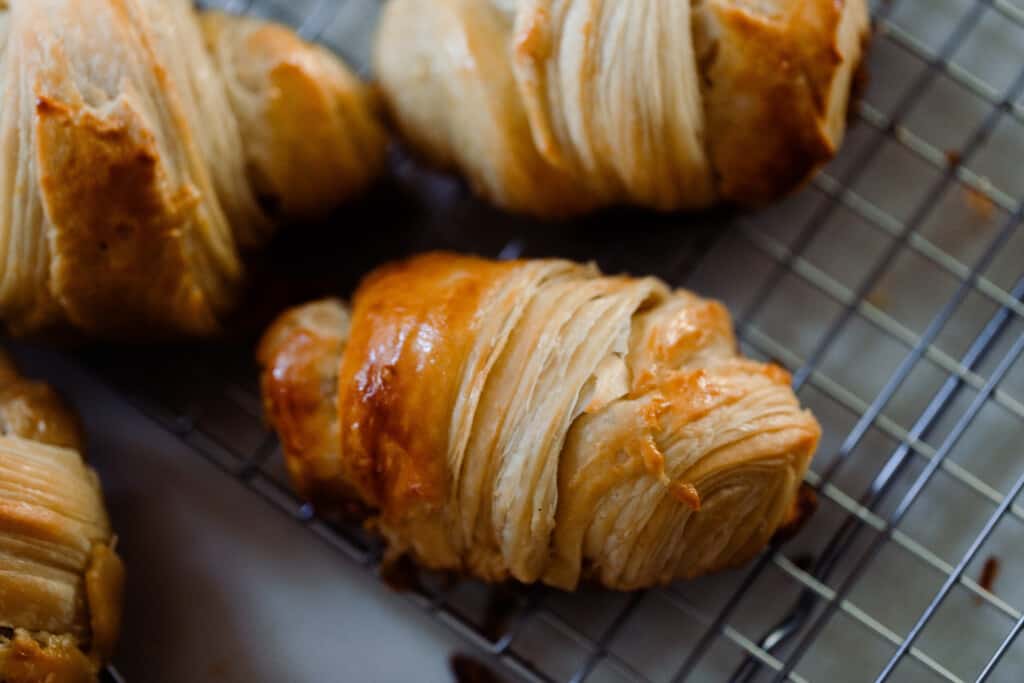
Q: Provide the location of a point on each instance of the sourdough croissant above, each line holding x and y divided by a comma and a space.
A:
60, 578
556, 107
537, 420
144, 145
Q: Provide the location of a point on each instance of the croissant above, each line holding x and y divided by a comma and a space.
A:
144, 146
60, 577
556, 107
536, 420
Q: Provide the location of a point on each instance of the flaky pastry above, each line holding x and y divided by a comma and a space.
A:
556, 107
144, 146
536, 420
60, 576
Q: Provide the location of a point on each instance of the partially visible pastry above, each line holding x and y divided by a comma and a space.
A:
555, 107
309, 126
32, 410
538, 421
60, 576
146, 147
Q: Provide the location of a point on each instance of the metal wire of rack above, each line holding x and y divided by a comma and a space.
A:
893, 287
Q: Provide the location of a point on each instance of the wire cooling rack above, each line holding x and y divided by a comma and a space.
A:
892, 287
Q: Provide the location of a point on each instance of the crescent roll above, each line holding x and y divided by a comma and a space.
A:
145, 146
60, 577
537, 420
556, 107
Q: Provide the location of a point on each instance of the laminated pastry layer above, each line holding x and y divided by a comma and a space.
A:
60, 576
142, 150
554, 107
539, 421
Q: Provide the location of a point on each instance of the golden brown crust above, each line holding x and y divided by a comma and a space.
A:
805, 504
413, 328
716, 100
309, 126
498, 418
301, 355
776, 90
133, 158
120, 263
62, 580
44, 659
104, 586
34, 411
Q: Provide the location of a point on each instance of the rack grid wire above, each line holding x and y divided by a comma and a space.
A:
892, 287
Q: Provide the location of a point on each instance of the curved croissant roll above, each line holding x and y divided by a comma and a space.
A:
60, 578
537, 420
143, 145
555, 107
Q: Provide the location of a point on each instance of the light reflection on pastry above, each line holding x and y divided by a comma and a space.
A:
536, 420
